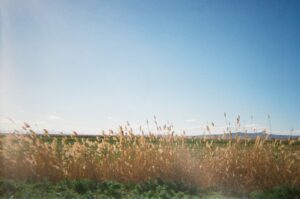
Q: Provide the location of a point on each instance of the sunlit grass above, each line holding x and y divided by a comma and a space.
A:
235, 165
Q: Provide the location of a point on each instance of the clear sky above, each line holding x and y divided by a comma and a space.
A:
91, 65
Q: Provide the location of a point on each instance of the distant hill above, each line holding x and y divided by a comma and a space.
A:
243, 135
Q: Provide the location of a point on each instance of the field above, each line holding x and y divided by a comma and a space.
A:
125, 165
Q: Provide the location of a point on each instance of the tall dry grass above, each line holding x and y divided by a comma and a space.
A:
235, 164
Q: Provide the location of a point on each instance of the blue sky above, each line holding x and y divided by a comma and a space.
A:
91, 65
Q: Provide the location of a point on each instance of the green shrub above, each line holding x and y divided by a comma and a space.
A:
285, 192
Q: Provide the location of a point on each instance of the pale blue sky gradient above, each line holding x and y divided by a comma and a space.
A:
91, 65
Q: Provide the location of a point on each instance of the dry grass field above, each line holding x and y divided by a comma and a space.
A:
235, 165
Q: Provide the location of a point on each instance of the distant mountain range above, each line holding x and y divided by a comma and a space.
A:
243, 135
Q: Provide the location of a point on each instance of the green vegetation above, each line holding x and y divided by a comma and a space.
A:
87, 189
